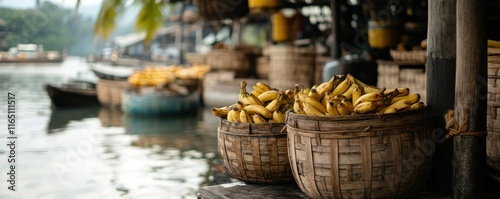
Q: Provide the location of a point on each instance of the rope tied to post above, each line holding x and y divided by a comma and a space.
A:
452, 124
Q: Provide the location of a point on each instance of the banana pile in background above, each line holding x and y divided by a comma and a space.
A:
158, 76
263, 105
349, 96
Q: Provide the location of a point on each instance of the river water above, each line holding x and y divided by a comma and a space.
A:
94, 152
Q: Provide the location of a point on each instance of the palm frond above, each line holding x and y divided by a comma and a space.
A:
106, 20
150, 17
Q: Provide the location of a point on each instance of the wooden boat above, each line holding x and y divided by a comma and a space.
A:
160, 103
111, 72
73, 94
27, 61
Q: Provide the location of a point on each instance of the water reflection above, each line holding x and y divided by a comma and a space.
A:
111, 117
61, 117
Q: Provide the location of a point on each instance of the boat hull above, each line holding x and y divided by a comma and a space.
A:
71, 97
159, 103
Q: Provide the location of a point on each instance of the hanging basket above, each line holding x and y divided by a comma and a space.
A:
255, 153
222, 9
360, 156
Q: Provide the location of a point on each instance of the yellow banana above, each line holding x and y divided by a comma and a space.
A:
268, 96
297, 106
368, 97
220, 112
367, 107
310, 110
331, 108
348, 92
233, 116
348, 105
314, 94
400, 105
389, 110
326, 86
247, 98
263, 86
255, 93
275, 104
402, 92
278, 117
244, 117
239, 105
342, 109
411, 98
313, 102
258, 89
306, 91
289, 94
366, 88
257, 119
417, 105
342, 87
493, 43
258, 109
356, 93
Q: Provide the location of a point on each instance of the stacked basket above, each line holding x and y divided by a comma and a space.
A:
493, 115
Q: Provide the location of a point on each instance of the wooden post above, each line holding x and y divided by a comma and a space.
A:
469, 152
441, 61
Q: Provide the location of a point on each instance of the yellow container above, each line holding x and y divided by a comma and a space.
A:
280, 27
383, 34
263, 3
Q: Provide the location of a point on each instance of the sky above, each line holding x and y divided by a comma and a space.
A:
32, 3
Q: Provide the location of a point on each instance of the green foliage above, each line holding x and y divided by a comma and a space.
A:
49, 25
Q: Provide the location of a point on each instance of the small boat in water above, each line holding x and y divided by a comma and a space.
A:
112, 72
160, 103
73, 94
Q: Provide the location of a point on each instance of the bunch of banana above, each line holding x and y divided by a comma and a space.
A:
346, 95
263, 105
151, 76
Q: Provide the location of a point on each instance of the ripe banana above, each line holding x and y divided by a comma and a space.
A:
275, 104
356, 93
313, 102
347, 104
259, 110
268, 96
366, 88
331, 108
342, 109
247, 98
256, 93
314, 94
411, 98
297, 105
244, 117
220, 112
258, 89
306, 91
402, 92
417, 105
368, 97
348, 92
400, 105
263, 86
390, 110
257, 119
367, 107
278, 117
233, 116
342, 87
310, 110
326, 86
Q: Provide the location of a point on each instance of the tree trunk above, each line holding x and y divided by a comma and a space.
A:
441, 61
469, 152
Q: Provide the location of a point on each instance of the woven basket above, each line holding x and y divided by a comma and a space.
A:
222, 9
109, 92
255, 153
360, 156
228, 59
493, 120
414, 55
291, 65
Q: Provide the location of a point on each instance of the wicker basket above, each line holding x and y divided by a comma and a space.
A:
222, 9
291, 65
228, 59
360, 156
109, 92
255, 153
493, 120
414, 55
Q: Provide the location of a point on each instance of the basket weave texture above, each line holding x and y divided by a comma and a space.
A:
493, 116
228, 59
109, 92
291, 65
222, 9
414, 55
360, 156
255, 153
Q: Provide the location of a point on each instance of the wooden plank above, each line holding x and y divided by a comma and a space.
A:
469, 152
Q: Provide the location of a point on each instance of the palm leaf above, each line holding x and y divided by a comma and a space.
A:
106, 20
150, 17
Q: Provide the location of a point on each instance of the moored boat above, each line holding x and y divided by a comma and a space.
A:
73, 94
160, 103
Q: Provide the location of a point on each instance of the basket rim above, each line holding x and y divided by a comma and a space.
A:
250, 126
